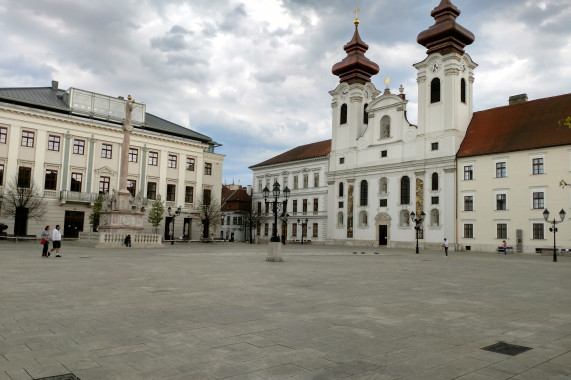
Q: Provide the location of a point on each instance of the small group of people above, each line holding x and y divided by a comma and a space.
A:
54, 237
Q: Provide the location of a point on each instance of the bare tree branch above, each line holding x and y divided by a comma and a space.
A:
209, 214
30, 198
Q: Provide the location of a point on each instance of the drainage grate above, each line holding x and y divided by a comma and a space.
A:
507, 348
67, 376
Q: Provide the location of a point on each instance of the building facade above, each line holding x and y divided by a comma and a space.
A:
236, 208
69, 143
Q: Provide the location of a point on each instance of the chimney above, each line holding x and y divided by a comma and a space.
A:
249, 190
518, 99
55, 85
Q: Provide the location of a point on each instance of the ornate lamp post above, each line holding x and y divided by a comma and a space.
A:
417, 223
303, 223
173, 215
275, 206
554, 229
285, 216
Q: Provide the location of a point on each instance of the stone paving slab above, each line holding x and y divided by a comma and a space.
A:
220, 311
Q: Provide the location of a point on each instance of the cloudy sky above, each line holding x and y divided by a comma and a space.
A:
255, 74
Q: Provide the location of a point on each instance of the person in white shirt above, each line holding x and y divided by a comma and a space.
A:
56, 239
445, 245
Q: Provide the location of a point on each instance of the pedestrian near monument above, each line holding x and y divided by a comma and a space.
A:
505, 247
445, 245
56, 239
127, 241
45, 241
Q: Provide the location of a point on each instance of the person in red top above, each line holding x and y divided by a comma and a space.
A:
505, 248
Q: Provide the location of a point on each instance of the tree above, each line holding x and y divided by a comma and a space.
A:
96, 212
566, 121
251, 220
24, 195
209, 213
156, 213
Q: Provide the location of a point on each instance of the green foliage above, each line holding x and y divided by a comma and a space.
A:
96, 212
156, 213
566, 121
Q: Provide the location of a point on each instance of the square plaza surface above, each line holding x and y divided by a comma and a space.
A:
220, 311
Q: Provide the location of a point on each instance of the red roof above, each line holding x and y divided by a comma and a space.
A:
303, 152
521, 126
235, 199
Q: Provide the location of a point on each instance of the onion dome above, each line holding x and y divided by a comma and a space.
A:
445, 36
355, 67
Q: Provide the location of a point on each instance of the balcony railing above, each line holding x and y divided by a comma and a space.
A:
77, 197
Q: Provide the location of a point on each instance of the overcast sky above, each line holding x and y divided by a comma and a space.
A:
255, 74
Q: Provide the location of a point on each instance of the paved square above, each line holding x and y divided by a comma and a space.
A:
220, 311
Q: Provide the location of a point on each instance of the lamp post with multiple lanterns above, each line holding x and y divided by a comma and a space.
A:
417, 226
275, 206
554, 229
303, 223
173, 215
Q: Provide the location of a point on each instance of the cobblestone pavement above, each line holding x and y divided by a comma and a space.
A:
220, 311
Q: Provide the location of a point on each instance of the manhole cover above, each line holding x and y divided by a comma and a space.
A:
507, 348
67, 376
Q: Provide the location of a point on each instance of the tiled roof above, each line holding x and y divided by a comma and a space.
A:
235, 199
521, 126
303, 152
50, 99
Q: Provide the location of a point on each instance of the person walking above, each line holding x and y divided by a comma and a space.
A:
445, 245
46, 241
505, 245
56, 240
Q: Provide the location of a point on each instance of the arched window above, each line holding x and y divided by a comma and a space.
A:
435, 90
385, 127
340, 218
364, 193
340, 189
343, 116
434, 181
434, 218
383, 185
363, 219
365, 114
405, 190
463, 90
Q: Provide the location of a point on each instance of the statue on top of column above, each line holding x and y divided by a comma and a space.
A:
127, 126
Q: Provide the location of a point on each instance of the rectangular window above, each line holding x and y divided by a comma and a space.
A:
258, 228
501, 231
171, 193
340, 204
171, 163
151, 190
294, 205
295, 182
285, 182
133, 155
315, 230
235, 220
468, 203
207, 196
434, 146
538, 233
50, 182
259, 208
28, 139
190, 164
468, 172
500, 169
303, 229
267, 208
24, 177
537, 166
53, 143
383, 153
189, 194
538, 200
240, 221
104, 184
153, 159
266, 228
106, 151
304, 206
228, 220
468, 231
305, 181
132, 186
341, 160
383, 203
435, 200
501, 202
315, 204
78, 146
207, 168
316, 180
76, 180
3, 135
1, 174
294, 229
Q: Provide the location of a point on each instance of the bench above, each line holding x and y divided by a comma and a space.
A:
501, 249
20, 238
540, 250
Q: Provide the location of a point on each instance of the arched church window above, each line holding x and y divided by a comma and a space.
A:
343, 116
434, 181
405, 190
463, 90
435, 90
435, 218
340, 189
364, 193
365, 114
385, 127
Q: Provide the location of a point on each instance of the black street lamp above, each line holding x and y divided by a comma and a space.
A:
275, 206
285, 215
554, 229
303, 223
176, 213
417, 222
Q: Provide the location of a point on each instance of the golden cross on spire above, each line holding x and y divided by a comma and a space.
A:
356, 22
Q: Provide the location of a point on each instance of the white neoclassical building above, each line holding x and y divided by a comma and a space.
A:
69, 142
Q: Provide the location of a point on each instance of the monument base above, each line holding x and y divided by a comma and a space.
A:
274, 252
116, 225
